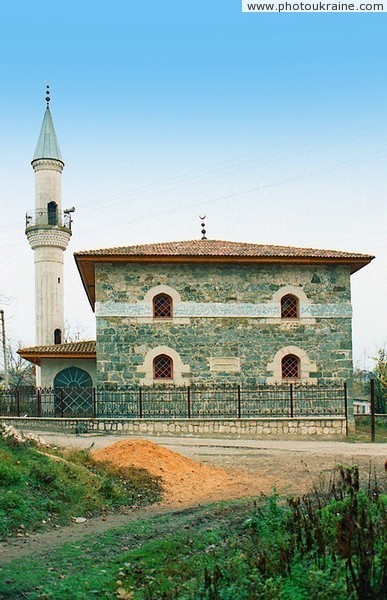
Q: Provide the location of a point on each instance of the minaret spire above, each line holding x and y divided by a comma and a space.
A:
48, 230
47, 146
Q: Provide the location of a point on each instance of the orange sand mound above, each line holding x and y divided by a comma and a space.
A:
186, 481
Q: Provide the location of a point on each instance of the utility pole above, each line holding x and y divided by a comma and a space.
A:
4, 348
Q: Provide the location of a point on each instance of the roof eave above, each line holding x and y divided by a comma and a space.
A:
37, 357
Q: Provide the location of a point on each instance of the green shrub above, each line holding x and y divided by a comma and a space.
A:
9, 475
327, 544
40, 489
43, 474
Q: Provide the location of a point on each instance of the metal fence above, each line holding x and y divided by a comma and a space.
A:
206, 402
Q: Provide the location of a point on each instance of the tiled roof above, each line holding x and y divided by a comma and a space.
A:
218, 248
84, 349
210, 251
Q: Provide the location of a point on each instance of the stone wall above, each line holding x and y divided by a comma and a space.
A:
238, 428
230, 313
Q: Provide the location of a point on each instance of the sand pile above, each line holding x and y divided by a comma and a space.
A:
186, 481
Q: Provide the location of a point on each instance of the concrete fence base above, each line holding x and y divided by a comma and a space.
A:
334, 427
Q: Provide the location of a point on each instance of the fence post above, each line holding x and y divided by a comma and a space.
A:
239, 401
18, 403
291, 402
346, 407
372, 398
61, 403
140, 401
189, 401
39, 399
94, 403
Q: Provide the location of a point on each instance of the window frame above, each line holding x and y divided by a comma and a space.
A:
171, 367
57, 336
170, 306
298, 363
296, 300
52, 213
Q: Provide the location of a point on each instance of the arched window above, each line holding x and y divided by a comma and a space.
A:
151, 367
163, 367
73, 377
57, 336
52, 213
289, 307
290, 366
162, 306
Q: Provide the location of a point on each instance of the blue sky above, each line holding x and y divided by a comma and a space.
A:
273, 125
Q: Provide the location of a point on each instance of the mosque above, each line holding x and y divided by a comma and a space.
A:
185, 312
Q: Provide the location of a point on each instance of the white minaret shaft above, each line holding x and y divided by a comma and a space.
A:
48, 231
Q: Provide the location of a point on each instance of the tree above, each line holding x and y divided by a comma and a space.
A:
20, 372
362, 378
380, 376
361, 383
75, 332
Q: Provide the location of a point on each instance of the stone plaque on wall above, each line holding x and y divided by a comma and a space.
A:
227, 364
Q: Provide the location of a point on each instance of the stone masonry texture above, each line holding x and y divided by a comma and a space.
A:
123, 342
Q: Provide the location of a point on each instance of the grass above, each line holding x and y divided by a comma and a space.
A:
362, 431
148, 547
331, 543
40, 488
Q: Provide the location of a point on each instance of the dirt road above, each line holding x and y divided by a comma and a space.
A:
288, 464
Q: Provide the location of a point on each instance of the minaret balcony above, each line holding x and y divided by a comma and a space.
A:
48, 219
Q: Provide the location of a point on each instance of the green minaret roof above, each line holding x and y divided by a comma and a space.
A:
47, 146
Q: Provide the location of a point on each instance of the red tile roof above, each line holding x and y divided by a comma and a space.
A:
218, 248
210, 251
83, 349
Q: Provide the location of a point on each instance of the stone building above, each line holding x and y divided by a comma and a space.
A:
201, 311
213, 311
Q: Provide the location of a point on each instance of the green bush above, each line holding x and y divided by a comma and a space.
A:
38, 489
9, 475
327, 544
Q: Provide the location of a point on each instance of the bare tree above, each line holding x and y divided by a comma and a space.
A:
20, 372
75, 332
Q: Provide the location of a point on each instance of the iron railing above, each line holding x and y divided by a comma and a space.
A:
170, 402
43, 216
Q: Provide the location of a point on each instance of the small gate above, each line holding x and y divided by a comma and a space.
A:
73, 393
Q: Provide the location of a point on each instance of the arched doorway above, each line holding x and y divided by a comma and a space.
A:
73, 393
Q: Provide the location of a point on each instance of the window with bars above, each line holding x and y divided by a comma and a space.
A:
163, 367
289, 307
290, 366
162, 306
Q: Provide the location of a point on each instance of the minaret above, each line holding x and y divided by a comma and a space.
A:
48, 231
